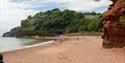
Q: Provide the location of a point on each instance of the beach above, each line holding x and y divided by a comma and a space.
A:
81, 49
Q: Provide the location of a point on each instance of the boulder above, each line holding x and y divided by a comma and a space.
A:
1, 58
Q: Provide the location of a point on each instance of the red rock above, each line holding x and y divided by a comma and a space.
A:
113, 30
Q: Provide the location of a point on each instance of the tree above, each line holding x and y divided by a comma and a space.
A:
29, 17
55, 21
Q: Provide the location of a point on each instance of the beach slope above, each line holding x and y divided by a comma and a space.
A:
86, 49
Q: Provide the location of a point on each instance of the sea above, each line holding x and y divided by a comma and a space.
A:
12, 43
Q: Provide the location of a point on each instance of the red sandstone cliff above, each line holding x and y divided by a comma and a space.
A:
113, 29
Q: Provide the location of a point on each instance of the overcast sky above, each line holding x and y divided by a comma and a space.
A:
13, 11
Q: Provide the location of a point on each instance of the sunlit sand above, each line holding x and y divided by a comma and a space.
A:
86, 49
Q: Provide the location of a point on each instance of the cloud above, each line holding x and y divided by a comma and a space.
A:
89, 5
11, 16
78, 5
39, 4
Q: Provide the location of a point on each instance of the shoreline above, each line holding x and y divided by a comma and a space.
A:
72, 50
30, 46
53, 41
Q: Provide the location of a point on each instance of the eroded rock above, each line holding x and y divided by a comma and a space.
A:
113, 29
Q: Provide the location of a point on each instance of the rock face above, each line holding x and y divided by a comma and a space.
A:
113, 28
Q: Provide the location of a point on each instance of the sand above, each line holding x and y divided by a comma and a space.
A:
87, 49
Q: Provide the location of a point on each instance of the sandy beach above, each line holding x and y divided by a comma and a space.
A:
86, 49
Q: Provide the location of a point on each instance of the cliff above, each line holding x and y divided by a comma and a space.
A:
113, 25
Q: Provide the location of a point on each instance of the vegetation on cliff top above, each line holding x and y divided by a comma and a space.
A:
55, 21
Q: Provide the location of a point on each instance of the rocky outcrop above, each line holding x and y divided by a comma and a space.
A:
8, 34
113, 28
12, 32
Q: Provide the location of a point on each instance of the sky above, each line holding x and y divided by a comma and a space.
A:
13, 11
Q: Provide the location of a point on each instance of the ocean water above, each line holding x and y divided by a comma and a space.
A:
11, 43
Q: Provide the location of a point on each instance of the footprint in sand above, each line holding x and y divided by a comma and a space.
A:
63, 58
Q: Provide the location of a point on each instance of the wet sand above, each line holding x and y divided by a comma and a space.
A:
86, 49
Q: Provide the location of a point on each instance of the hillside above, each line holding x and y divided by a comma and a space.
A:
55, 21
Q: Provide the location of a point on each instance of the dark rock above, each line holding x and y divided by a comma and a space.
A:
113, 29
1, 58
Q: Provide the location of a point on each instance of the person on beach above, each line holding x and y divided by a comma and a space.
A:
1, 58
